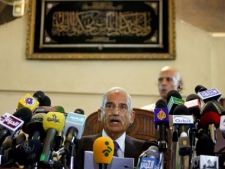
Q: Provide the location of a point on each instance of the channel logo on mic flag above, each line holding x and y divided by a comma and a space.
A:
149, 163
28, 101
12, 123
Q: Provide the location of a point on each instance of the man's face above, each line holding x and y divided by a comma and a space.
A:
116, 117
167, 82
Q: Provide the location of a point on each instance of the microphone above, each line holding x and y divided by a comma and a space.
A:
12, 124
46, 109
79, 111
53, 123
74, 128
161, 119
182, 119
31, 102
28, 152
151, 158
45, 102
34, 128
19, 139
210, 117
194, 105
205, 154
173, 99
207, 94
222, 124
103, 149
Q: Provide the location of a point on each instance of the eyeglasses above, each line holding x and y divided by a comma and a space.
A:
168, 79
111, 108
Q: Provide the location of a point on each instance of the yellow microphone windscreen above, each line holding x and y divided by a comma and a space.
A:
103, 149
54, 120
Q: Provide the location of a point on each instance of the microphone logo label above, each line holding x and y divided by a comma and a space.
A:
53, 119
149, 163
10, 121
107, 151
161, 115
29, 101
76, 118
211, 93
182, 119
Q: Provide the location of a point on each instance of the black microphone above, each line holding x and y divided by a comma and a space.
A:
45, 102
208, 94
34, 128
79, 111
8, 143
28, 152
161, 119
173, 99
205, 154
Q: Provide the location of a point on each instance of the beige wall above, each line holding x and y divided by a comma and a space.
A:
80, 84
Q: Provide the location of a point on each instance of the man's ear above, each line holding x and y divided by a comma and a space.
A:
132, 116
99, 114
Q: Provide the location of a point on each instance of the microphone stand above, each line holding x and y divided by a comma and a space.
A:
174, 147
72, 154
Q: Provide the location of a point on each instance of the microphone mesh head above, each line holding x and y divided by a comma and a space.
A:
160, 104
205, 146
24, 114
103, 149
173, 93
181, 110
28, 152
54, 120
45, 102
192, 97
199, 88
153, 152
39, 95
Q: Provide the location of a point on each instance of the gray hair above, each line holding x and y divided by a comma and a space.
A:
120, 89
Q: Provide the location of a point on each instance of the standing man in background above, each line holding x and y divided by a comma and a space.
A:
169, 79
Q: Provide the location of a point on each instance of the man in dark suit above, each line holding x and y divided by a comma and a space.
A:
115, 114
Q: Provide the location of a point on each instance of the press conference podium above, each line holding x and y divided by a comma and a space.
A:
142, 127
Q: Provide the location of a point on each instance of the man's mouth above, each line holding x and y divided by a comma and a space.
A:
114, 121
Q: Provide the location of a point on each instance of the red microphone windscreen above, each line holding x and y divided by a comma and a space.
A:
210, 118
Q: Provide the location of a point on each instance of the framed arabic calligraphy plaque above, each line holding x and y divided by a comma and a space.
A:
102, 29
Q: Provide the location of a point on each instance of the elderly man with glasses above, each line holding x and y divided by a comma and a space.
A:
115, 114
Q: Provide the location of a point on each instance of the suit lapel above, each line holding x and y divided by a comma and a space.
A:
130, 149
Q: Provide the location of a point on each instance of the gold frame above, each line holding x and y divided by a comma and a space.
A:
31, 54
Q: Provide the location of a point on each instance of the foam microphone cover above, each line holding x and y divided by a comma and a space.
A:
205, 146
173, 93
210, 114
200, 88
160, 104
54, 120
39, 95
45, 102
194, 110
24, 114
103, 150
28, 152
35, 125
79, 111
181, 110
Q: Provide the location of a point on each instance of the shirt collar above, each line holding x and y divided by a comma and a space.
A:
120, 140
